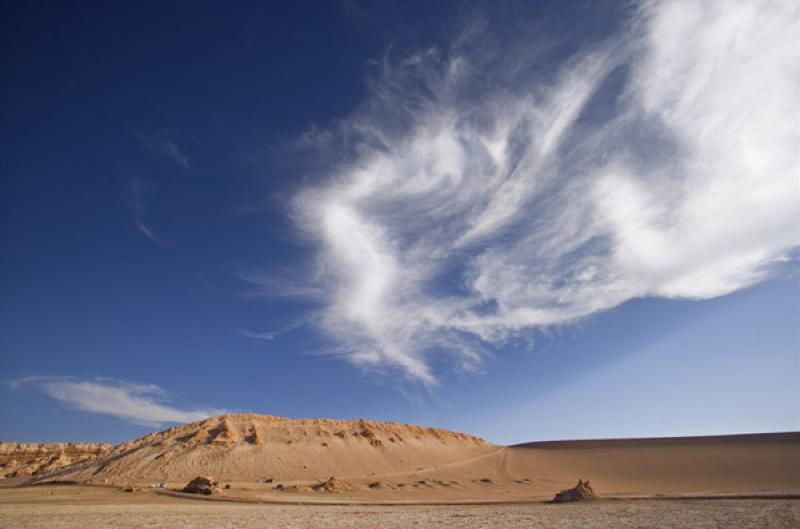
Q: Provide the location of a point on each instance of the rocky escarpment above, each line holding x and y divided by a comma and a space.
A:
36, 459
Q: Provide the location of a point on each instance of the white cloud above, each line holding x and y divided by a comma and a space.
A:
136, 403
134, 194
271, 335
265, 335
466, 214
135, 188
163, 144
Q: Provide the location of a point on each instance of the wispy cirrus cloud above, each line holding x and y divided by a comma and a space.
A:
144, 404
135, 189
163, 144
134, 192
271, 335
481, 198
264, 335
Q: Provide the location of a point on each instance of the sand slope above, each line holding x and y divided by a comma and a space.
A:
735, 463
266, 458
254, 447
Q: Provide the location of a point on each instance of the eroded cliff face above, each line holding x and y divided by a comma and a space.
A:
31, 459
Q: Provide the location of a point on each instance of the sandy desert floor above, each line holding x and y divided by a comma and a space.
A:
101, 509
271, 472
67, 507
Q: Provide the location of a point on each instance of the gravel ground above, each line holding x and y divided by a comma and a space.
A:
695, 514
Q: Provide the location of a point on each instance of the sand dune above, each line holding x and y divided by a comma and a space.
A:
258, 447
735, 463
265, 458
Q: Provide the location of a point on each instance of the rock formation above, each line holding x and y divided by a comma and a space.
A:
331, 485
35, 459
202, 485
580, 492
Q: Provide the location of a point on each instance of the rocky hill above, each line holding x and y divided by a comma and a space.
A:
253, 447
36, 459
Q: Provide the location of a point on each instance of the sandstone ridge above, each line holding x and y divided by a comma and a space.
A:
35, 459
251, 447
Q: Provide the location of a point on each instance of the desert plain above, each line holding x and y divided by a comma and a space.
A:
307, 473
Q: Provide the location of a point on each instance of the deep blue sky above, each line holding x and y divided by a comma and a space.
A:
145, 170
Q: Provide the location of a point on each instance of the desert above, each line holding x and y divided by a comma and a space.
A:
399, 264
266, 471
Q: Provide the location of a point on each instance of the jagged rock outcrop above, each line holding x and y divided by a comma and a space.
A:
34, 459
202, 485
332, 485
580, 492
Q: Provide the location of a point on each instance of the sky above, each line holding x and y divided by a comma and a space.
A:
522, 220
